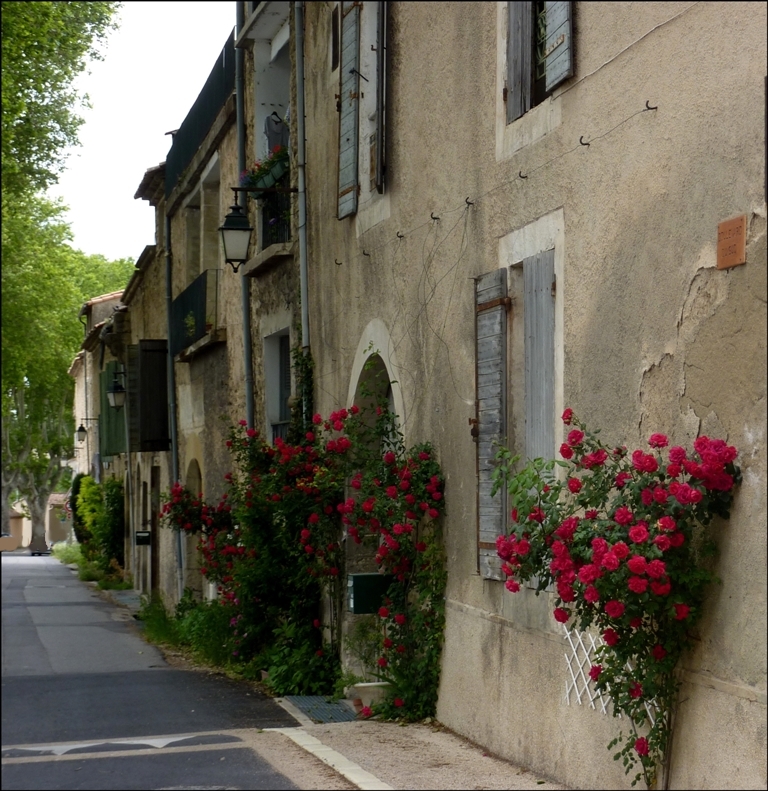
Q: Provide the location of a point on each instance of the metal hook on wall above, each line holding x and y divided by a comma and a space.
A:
432, 215
338, 263
368, 255
648, 105
400, 235
520, 175
469, 202
581, 140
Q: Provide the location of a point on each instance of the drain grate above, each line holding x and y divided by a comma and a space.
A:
319, 709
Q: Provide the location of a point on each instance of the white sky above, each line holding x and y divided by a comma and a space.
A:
155, 65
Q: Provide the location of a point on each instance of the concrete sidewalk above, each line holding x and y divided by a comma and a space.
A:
372, 754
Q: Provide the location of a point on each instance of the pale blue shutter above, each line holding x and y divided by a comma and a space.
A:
519, 58
491, 355
559, 46
539, 327
349, 103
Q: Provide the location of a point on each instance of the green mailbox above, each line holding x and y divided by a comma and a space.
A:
366, 592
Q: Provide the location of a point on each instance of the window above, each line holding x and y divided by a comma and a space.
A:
277, 369
148, 396
515, 338
539, 53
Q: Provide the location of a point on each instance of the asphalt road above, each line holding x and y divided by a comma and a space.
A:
87, 704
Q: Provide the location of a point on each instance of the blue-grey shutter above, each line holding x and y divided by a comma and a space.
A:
349, 102
491, 303
539, 328
381, 89
559, 46
519, 58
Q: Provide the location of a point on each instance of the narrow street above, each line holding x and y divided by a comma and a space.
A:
87, 704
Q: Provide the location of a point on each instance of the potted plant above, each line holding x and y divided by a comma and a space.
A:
264, 174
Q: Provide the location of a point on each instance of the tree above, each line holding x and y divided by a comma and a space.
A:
45, 45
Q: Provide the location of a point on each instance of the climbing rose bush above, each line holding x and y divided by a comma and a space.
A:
621, 537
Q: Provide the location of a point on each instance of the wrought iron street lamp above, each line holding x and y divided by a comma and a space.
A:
236, 234
116, 392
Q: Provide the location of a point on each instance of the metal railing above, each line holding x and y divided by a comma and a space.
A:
190, 135
194, 313
276, 214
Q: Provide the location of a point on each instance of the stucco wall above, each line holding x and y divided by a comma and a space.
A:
653, 337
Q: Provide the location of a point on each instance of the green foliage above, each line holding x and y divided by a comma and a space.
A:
102, 510
159, 627
67, 553
45, 45
205, 628
82, 534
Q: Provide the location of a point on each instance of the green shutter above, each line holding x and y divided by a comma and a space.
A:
491, 304
132, 400
111, 421
349, 103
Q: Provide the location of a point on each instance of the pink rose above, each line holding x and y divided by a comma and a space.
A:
591, 594
637, 564
575, 437
638, 534
656, 569
658, 441
641, 746
567, 416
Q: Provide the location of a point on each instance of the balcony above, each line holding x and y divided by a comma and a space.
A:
194, 317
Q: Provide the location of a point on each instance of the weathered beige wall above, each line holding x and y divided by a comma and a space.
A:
653, 338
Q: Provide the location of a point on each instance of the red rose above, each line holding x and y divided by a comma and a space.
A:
662, 542
636, 623
561, 615
637, 564
591, 594
610, 561
574, 485
383, 612
646, 496
523, 547
575, 437
656, 569
637, 584
677, 455
658, 441
566, 452
398, 702
512, 586
614, 609
537, 515
635, 690
658, 652
317, 419
316, 623
392, 491
638, 534
667, 523
400, 619
673, 470
677, 539
400, 649
389, 457
621, 479
681, 611
381, 661
567, 416
623, 515
595, 671
610, 637
661, 588
588, 573
591, 514
366, 712
641, 746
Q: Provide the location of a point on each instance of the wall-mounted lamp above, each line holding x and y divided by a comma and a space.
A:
236, 234
82, 432
116, 392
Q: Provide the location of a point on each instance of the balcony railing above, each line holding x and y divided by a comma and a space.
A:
194, 312
276, 214
190, 135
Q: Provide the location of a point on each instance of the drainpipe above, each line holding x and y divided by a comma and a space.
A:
299, 10
245, 285
172, 395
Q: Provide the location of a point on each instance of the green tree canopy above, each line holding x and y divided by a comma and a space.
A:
45, 46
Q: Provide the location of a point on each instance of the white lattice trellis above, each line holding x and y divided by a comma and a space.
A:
582, 647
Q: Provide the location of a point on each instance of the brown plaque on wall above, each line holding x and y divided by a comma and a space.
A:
732, 242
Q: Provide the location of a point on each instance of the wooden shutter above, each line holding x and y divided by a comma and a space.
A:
381, 95
349, 103
153, 395
519, 59
111, 421
559, 47
132, 400
491, 355
539, 324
